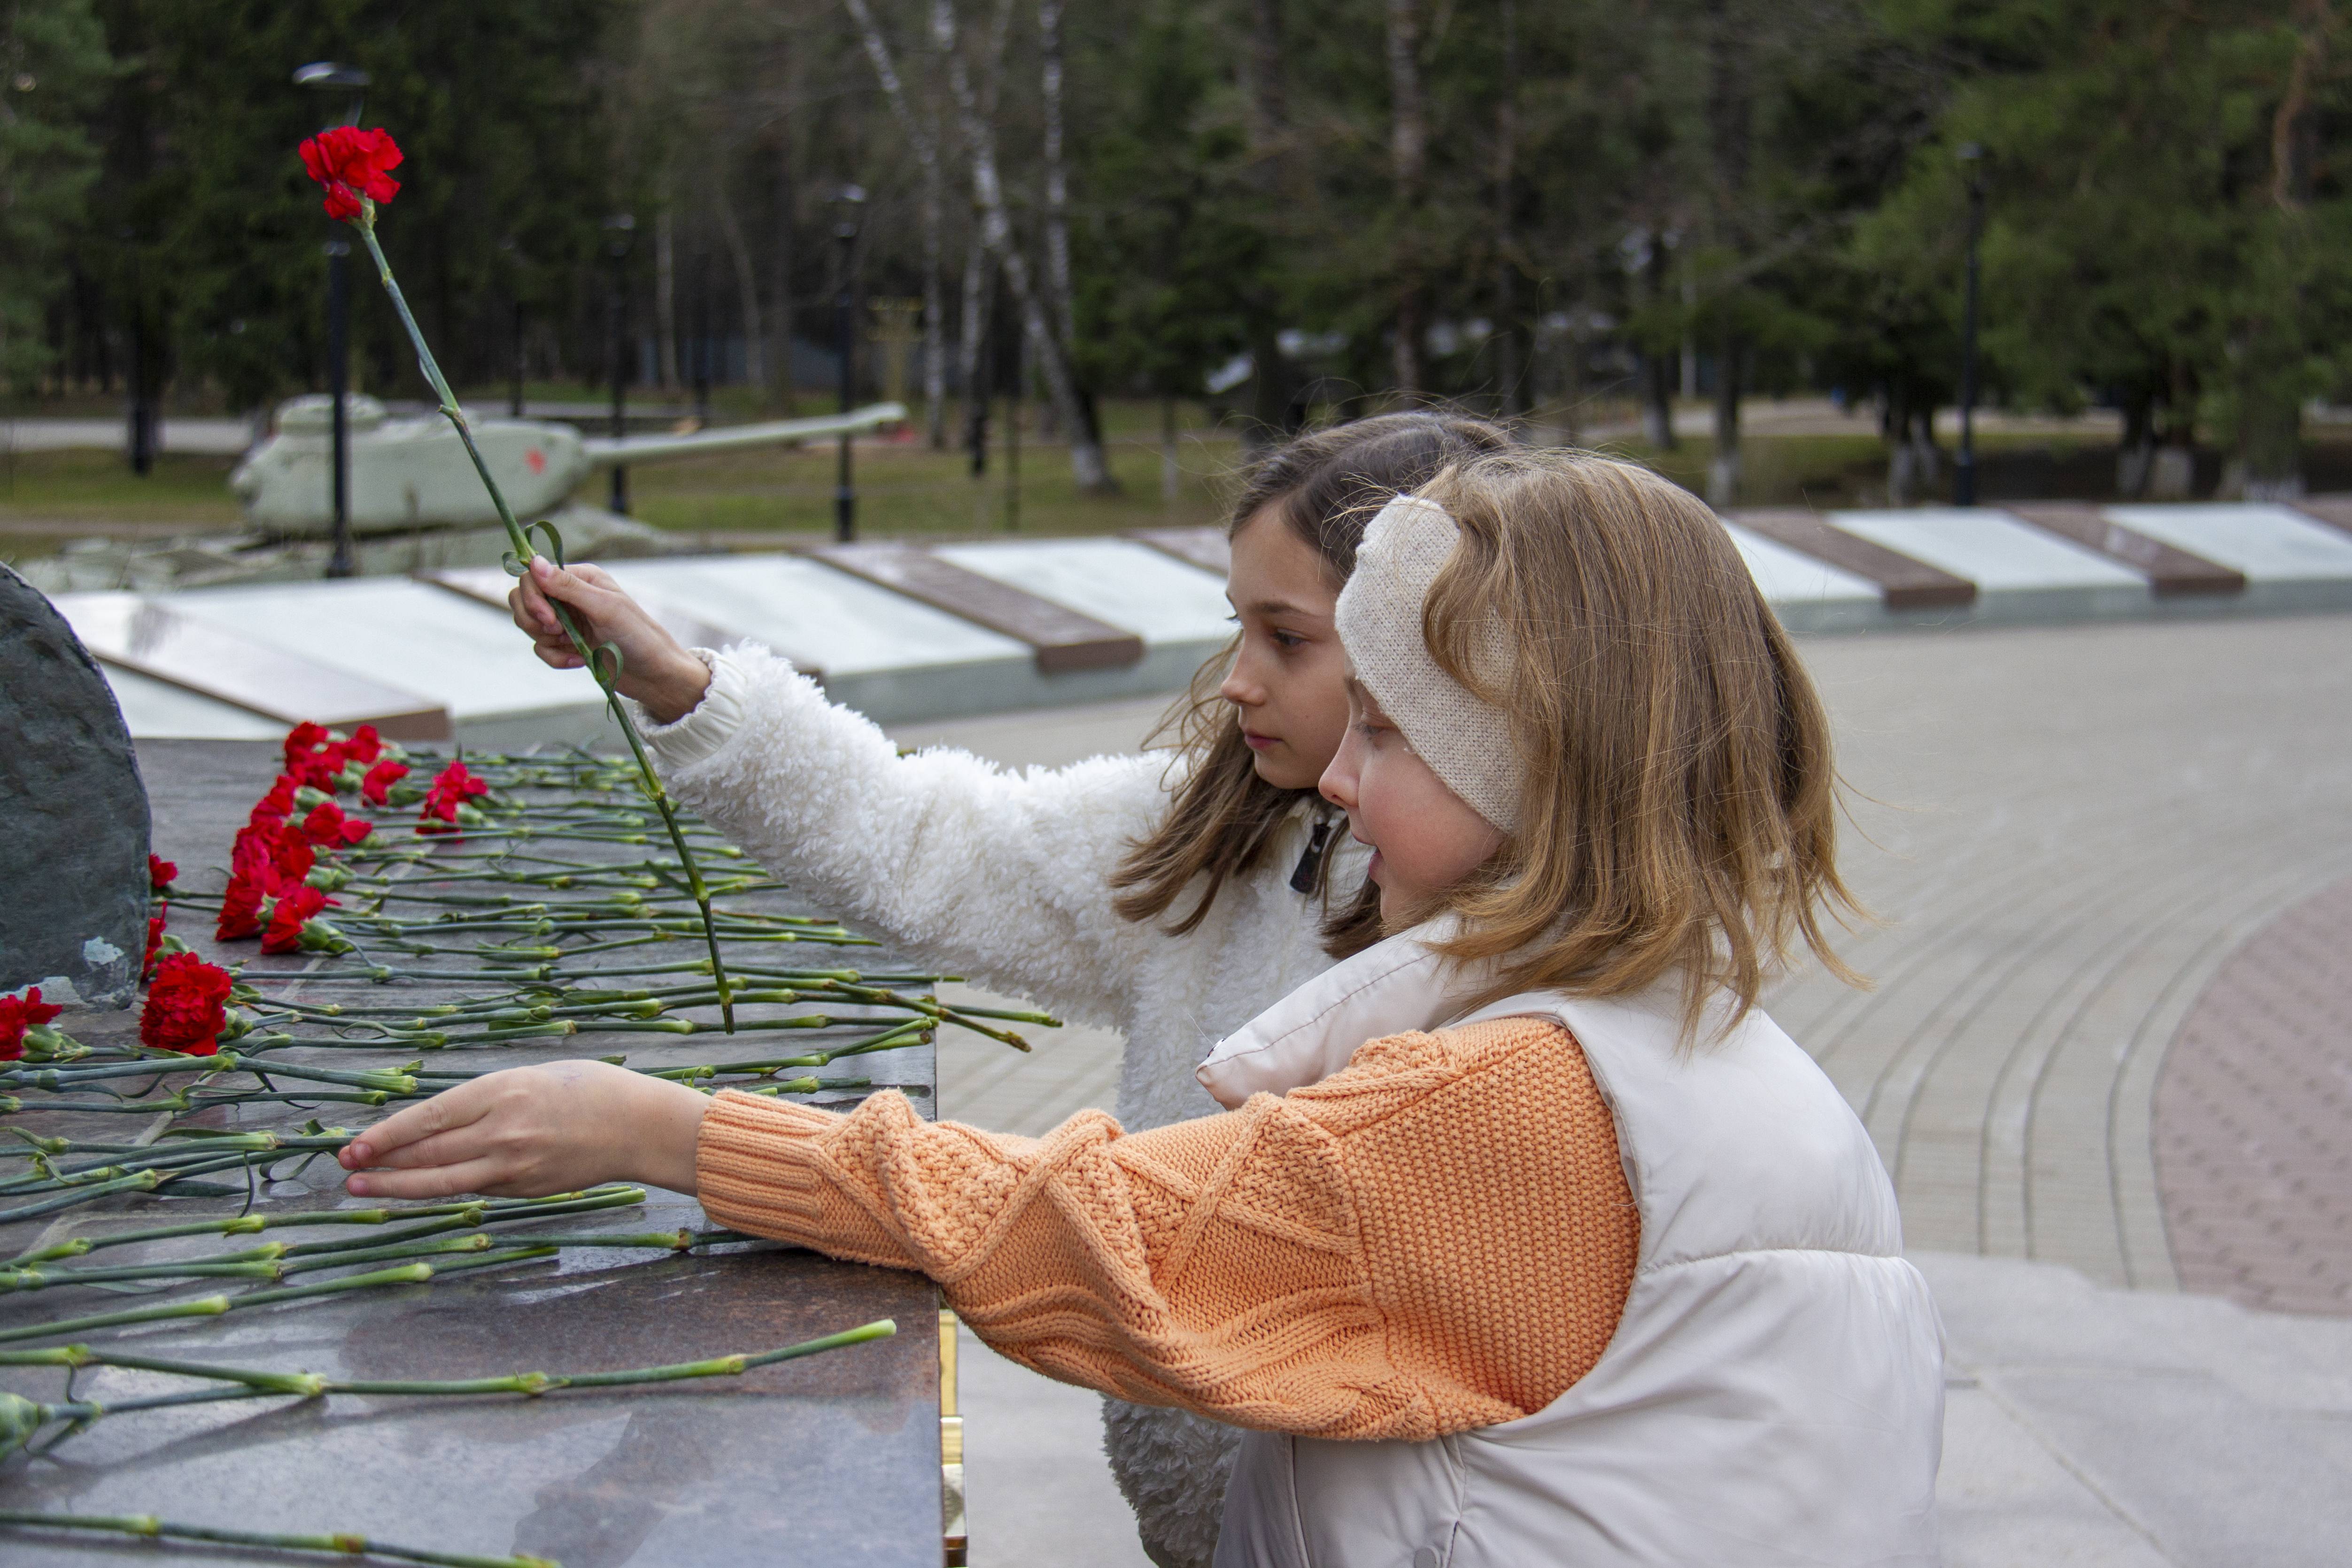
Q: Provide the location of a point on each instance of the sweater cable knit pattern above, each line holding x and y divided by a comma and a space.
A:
1438, 1238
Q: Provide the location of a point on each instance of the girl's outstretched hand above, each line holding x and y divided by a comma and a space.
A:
531, 1131
654, 669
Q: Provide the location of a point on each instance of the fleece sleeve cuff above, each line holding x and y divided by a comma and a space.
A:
702, 729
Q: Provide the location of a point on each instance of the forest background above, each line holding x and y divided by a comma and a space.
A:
1276, 211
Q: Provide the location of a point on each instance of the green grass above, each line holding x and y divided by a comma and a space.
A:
906, 489
1779, 470
100, 487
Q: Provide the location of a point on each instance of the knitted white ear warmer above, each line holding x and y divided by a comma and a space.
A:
1465, 740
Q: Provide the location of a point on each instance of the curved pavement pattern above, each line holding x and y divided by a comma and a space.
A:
2253, 1119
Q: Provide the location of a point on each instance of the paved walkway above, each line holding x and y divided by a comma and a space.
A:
2085, 845
2251, 1109
221, 437
2074, 828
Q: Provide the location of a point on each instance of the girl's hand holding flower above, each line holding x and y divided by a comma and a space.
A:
654, 669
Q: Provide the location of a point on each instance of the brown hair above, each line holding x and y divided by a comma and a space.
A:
1679, 804
1325, 486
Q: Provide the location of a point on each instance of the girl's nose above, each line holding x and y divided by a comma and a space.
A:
1338, 784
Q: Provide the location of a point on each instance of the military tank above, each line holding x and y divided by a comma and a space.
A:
415, 501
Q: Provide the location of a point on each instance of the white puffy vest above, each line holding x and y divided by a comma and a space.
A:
1774, 1392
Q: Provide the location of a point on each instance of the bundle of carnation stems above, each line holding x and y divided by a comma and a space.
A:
526, 902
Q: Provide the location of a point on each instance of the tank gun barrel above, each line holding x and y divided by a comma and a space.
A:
603, 451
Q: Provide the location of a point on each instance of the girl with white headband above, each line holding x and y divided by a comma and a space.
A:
1529, 1238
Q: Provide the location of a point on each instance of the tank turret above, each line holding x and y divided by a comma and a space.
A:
411, 472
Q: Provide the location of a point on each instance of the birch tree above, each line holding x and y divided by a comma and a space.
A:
923, 137
1088, 465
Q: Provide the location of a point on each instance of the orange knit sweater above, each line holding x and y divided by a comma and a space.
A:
1436, 1238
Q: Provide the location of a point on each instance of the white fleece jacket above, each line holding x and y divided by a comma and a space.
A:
1003, 877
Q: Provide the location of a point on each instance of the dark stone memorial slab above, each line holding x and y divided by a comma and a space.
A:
73, 814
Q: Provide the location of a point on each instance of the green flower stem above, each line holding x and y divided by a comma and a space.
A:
56, 1079
203, 1307
16, 1279
213, 1306
207, 1149
470, 1213
337, 1545
605, 670
474, 1241
145, 1181
256, 1384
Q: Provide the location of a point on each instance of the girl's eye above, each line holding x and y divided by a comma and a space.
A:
1287, 641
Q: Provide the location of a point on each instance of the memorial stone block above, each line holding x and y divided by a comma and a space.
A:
73, 815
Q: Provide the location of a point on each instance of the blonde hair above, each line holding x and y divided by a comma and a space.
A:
1324, 487
1679, 803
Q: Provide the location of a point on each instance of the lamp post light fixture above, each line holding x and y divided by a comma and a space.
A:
1964, 474
846, 203
619, 230
326, 75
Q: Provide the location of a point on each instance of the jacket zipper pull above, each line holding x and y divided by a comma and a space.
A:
1309, 870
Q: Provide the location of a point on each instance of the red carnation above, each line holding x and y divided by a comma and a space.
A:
160, 872
154, 944
352, 163
326, 825
452, 787
365, 743
186, 1006
18, 1014
295, 908
374, 789
278, 802
240, 911
271, 854
303, 739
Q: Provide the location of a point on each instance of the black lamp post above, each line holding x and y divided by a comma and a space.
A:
326, 75
701, 353
618, 230
144, 420
1964, 474
512, 249
846, 203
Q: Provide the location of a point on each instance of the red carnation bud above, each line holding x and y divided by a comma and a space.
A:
240, 911
186, 1005
160, 872
375, 788
155, 946
295, 906
278, 802
326, 825
350, 165
18, 1014
303, 739
453, 787
365, 743
271, 854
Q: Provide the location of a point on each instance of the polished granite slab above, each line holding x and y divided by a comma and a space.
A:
831, 1460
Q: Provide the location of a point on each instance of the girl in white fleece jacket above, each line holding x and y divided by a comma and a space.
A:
1171, 897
